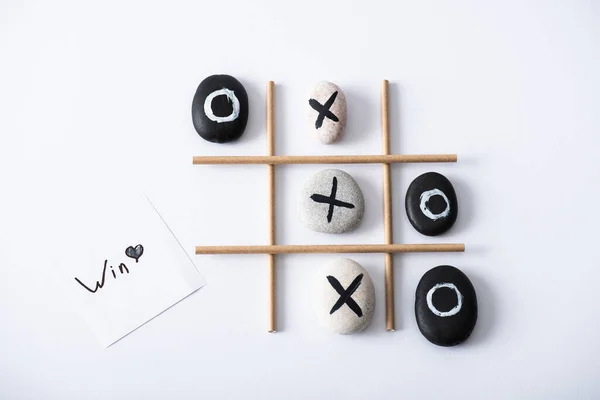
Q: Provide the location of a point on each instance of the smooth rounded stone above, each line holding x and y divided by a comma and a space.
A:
431, 204
327, 112
345, 296
332, 202
445, 306
220, 109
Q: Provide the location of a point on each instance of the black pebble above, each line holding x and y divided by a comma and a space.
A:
435, 223
222, 107
446, 330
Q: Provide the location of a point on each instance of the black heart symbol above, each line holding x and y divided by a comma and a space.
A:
134, 252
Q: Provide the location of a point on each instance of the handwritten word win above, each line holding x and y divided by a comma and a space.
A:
122, 268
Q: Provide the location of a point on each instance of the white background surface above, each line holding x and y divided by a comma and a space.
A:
96, 95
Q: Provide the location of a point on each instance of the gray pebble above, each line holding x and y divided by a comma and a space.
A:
327, 112
331, 202
336, 311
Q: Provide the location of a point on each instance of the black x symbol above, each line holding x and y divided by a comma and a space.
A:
323, 110
346, 294
331, 200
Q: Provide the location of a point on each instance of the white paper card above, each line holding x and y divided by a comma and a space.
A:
130, 269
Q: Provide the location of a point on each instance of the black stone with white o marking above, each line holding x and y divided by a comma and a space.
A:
431, 204
220, 109
445, 306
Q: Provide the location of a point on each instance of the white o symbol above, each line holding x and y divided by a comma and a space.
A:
425, 196
235, 105
437, 312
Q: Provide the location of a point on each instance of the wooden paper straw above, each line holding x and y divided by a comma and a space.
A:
333, 248
271, 168
387, 212
351, 159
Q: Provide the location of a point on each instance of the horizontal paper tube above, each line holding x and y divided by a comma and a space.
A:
358, 159
332, 248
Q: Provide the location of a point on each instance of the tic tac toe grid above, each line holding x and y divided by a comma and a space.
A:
388, 248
